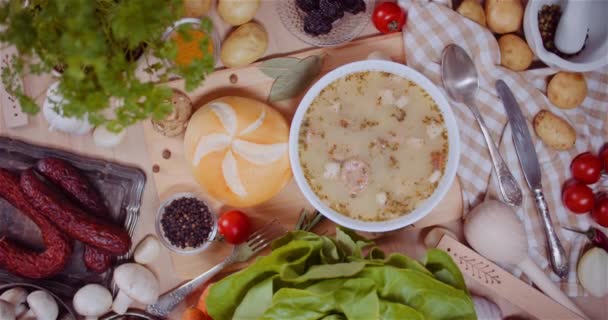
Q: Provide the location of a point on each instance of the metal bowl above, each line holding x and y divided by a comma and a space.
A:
65, 311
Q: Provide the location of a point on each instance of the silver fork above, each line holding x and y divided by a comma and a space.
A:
257, 241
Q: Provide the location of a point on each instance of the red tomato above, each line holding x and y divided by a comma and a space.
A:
600, 210
234, 226
586, 168
388, 17
577, 197
604, 155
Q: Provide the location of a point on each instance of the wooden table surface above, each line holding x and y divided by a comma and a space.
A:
133, 151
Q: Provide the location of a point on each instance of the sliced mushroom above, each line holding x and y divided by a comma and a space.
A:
17, 297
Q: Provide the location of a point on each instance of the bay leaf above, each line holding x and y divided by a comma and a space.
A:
294, 80
277, 66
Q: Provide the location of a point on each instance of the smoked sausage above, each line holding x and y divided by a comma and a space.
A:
96, 260
71, 219
74, 183
78, 188
25, 262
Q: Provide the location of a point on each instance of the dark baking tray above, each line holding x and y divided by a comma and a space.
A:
122, 186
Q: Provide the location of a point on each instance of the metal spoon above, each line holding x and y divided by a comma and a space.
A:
461, 83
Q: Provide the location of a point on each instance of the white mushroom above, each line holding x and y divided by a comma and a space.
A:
42, 306
92, 301
7, 311
136, 283
16, 296
147, 250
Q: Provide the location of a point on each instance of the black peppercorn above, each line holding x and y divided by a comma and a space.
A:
187, 222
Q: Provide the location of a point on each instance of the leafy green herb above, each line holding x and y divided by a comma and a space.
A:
308, 276
95, 43
291, 75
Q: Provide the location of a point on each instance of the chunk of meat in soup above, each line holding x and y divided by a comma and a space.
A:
355, 175
437, 160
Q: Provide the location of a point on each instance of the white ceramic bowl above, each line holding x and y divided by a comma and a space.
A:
595, 53
453, 139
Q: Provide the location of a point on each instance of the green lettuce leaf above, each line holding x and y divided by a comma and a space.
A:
444, 268
307, 276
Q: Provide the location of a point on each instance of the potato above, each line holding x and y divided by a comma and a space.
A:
237, 12
504, 16
567, 90
196, 8
514, 52
244, 45
554, 131
472, 9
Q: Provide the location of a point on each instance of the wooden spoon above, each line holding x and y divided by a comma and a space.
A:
494, 231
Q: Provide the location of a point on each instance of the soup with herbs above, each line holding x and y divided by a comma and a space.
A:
373, 145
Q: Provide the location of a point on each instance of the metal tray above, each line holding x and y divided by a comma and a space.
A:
122, 186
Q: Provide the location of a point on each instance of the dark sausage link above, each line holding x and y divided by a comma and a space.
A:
24, 262
96, 260
74, 183
71, 219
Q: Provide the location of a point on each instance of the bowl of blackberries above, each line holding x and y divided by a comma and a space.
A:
186, 224
325, 23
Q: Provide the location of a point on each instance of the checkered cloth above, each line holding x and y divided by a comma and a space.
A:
430, 27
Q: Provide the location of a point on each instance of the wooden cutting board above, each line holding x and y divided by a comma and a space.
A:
174, 173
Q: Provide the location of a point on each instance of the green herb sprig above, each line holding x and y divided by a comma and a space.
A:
93, 42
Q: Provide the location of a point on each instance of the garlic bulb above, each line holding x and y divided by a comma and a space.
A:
57, 121
107, 139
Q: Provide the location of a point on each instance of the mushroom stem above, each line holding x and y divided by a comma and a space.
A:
121, 303
91, 318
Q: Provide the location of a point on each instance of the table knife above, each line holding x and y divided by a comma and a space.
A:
524, 147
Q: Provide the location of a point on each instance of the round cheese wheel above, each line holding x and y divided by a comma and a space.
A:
238, 150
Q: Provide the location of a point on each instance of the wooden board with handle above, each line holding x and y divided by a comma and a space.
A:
479, 272
174, 174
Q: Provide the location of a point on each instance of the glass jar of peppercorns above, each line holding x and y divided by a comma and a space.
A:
186, 224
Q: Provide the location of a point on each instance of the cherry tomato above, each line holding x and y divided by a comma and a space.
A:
577, 197
388, 17
586, 168
604, 155
234, 226
600, 210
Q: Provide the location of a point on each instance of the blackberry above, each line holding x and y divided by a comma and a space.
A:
331, 9
308, 5
316, 23
353, 6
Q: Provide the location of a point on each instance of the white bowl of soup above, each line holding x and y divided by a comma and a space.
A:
374, 146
